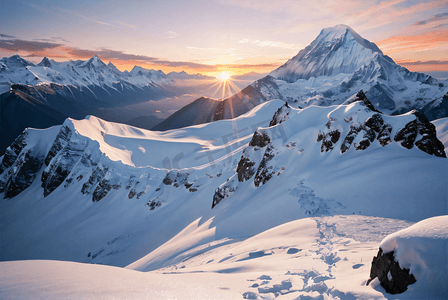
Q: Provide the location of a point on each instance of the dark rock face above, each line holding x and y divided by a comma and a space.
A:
329, 137
95, 177
281, 115
393, 279
153, 203
224, 191
104, 187
61, 165
13, 151
260, 139
177, 179
24, 172
420, 126
361, 96
264, 171
373, 125
245, 168
61, 141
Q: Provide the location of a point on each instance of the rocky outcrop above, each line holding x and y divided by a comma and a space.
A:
265, 171
19, 166
281, 115
367, 133
361, 96
177, 179
97, 175
225, 190
426, 131
392, 277
110, 181
22, 173
247, 165
62, 162
329, 136
13, 151
61, 141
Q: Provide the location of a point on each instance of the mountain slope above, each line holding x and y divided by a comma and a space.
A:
115, 193
336, 64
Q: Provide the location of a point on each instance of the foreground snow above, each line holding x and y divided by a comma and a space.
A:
313, 258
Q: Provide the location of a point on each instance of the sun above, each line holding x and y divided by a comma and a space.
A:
224, 76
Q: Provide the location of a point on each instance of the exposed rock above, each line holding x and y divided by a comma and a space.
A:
367, 138
348, 140
245, 168
132, 182
361, 96
224, 190
13, 151
61, 164
23, 173
177, 179
96, 176
61, 141
132, 193
392, 277
264, 171
328, 139
281, 115
101, 190
260, 138
421, 127
153, 203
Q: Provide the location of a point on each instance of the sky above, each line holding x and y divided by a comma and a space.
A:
212, 36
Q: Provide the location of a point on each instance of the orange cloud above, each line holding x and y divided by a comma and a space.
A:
402, 43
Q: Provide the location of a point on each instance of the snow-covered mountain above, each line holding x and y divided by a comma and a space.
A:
79, 74
314, 156
46, 94
218, 197
337, 64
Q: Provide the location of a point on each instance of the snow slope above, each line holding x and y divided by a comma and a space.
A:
278, 203
313, 258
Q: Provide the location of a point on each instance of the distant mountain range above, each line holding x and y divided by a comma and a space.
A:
336, 65
46, 94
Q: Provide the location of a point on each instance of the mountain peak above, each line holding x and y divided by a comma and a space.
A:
95, 61
336, 50
45, 63
341, 31
16, 61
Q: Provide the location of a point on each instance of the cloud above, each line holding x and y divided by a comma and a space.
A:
428, 62
277, 45
30, 46
172, 34
216, 50
6, 36
251, 66
435, 18
243, 41
126, 25
408, 43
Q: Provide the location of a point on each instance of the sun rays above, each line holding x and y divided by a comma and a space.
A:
224, 87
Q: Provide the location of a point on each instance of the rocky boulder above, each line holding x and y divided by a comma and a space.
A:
393, 278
